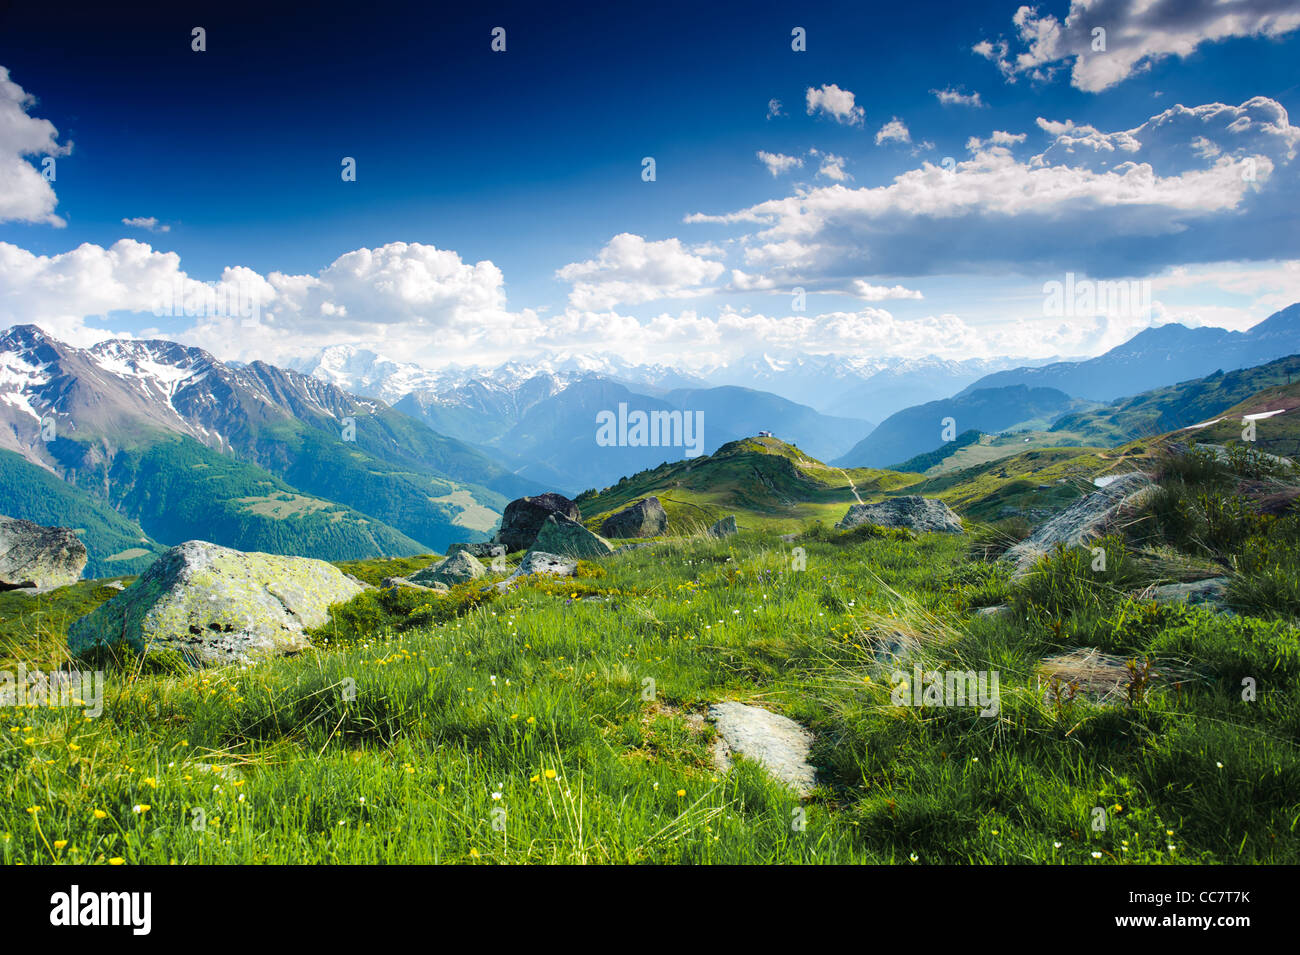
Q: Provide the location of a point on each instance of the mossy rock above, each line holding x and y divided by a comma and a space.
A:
215, 606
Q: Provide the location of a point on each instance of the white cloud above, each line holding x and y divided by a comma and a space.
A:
149, 223
894, 131
774, 108
429, 306
423, 301
25, 194
952, 97
60, 291
1094, 202
835, 103
629, 270
832, 166
878, 293
778, 163
1136, 35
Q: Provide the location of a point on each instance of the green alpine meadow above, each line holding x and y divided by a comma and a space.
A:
566, 719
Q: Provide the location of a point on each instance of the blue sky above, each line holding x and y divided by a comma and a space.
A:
509, 176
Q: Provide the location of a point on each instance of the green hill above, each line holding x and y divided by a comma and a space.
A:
1275, 434
179, 490
1176, 406
763, 481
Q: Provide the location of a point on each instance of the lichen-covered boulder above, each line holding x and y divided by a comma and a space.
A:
921, 514
524, 517
645, 518
214, 606
35, 557
567, 538
460, 567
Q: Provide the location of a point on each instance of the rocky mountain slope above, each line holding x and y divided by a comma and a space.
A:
134, 423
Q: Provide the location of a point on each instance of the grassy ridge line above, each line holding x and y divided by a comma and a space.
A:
764, 481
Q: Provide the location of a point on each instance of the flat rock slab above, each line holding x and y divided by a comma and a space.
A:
1209, 591
778, 744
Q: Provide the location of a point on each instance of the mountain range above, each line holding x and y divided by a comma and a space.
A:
1160, 356
140, 444
252, 455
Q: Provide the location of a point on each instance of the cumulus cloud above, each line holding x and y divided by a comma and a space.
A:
25, 194
774, 108
629, 270
428, 305
149, 223
778, 163
424, 300
1104, 42
952, 97
894, 131
835, 103
1091, 201
832, 166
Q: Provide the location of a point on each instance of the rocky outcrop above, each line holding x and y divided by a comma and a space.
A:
459, 568
1086, 519
524, 517
921, 514
213, 606
34, 557
567, 538
645, 518
724, 528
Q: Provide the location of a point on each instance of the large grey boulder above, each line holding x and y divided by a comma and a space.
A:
524, 517
567, 538
645, 518
1086, 519
34, 557
459, 568
777, 743
921, 514
214, 606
